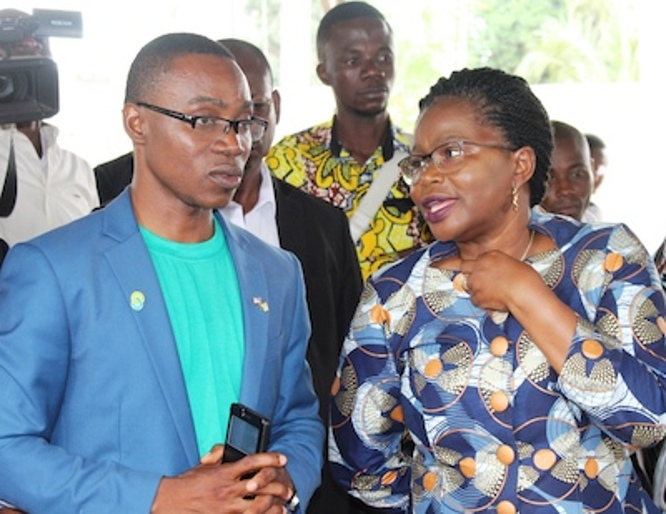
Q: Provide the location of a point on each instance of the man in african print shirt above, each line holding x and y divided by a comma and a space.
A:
339, 159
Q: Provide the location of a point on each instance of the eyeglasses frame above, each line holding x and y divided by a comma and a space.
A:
192, 120
409, 177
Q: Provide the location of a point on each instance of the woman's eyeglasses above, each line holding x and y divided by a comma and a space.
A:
447, 158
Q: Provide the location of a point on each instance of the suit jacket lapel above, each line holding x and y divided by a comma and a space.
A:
256, 312
133, 267
291, 220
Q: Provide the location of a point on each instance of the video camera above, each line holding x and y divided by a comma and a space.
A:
29, 84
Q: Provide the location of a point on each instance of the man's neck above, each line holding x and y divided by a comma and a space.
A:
247, 194
167, 216
361, 135
31, 130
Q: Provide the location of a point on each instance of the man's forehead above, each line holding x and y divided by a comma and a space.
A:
223, 82
202, 62
360, 25
205, 66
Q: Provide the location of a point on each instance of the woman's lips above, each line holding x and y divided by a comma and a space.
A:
435, 209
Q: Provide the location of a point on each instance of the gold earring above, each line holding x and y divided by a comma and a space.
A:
514, 197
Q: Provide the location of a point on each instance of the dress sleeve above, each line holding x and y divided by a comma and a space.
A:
366, 431
616, 367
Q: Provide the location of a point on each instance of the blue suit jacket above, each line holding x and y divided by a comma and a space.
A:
93, 406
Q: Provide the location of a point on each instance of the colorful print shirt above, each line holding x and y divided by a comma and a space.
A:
440, 408
315, 162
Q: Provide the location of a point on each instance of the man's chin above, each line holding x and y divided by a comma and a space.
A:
371, 111
572, 213
221, 200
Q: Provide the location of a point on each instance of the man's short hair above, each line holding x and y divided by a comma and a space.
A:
563, 130
239, 45
344, 12
595, 142
156, 56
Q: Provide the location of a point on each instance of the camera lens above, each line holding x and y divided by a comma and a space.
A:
14, 87
28, 89
6, 87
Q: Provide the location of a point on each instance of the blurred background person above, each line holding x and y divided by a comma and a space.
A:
508, 348
599, 167
570, 182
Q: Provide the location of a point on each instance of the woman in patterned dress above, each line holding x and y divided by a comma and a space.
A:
516, 363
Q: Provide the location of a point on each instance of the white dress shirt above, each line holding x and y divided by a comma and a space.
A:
260, 221
592, 214
52, 190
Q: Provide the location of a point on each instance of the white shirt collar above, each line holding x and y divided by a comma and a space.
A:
260, 221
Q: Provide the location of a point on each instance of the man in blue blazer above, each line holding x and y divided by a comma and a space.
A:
101, 407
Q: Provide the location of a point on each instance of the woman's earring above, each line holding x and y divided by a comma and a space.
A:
514, 197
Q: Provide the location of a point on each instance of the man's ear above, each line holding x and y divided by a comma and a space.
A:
277, 100
525, 164
133, 122
322, 74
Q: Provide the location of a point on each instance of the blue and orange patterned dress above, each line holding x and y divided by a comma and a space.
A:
439, 407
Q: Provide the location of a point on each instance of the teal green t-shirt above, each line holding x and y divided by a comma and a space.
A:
202, 296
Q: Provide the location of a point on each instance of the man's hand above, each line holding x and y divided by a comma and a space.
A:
216, 487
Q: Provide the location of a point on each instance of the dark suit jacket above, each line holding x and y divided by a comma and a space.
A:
318, 234
114, 176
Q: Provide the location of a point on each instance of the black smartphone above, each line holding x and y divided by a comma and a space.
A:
247, 433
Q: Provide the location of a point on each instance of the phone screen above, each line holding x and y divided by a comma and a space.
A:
243, 435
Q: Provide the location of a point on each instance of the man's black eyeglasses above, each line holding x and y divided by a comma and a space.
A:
253, 128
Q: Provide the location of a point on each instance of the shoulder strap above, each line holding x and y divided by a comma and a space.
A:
8, 197
372, 201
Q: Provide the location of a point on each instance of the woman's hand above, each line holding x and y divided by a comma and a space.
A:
498, 282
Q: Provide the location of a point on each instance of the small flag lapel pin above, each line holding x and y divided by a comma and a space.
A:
260, 303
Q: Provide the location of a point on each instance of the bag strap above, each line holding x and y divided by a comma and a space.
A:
8, 198
373, 199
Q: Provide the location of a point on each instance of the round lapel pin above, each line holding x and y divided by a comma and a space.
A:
137, 300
